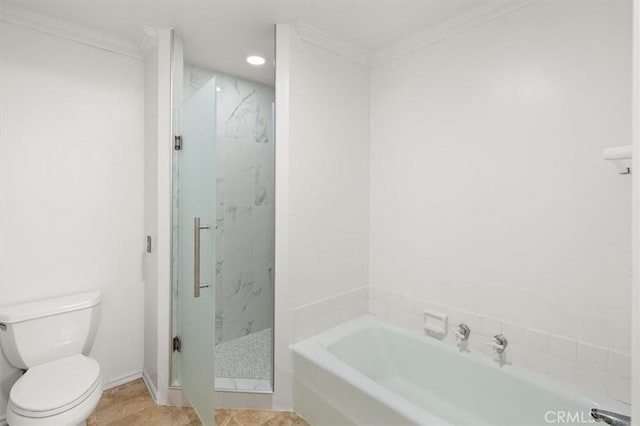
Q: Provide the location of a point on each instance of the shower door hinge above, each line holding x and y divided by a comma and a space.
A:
177, 144
177, 345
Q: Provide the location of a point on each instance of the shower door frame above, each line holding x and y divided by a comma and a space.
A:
165, 393
251, 398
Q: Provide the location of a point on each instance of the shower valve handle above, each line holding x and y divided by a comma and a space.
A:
462, 333
499, 343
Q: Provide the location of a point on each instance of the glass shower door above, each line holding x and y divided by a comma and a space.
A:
196, 257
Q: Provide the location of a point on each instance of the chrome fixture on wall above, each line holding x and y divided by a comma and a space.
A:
499, 343
462, 333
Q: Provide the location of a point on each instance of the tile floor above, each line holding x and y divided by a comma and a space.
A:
131, 404
245, 363
257, 417
247, 357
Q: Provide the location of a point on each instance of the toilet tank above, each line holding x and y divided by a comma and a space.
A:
48, 329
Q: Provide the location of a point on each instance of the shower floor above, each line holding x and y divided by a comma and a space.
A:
245, 363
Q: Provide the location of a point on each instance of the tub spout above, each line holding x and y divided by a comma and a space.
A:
610, 418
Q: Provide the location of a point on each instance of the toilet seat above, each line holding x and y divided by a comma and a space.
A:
55, 387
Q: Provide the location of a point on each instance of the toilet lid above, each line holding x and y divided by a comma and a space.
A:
55, 386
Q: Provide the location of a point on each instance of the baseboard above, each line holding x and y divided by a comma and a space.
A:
150, 387
122, 380
244, 400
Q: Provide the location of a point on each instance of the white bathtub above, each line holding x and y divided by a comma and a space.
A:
366, 372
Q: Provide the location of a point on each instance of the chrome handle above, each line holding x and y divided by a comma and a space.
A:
196, 256
462, 333
499, 343
610, 418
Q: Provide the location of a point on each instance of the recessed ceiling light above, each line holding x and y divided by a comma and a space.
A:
256, 60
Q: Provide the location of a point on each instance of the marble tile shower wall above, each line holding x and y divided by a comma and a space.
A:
596, 368
245, 222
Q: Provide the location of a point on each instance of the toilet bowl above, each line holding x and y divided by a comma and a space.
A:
50, 339
60, 392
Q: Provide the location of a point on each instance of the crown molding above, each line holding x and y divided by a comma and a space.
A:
57, 27
306, 32
317, 37
474, 17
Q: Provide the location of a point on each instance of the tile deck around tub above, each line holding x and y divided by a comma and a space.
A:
131, 404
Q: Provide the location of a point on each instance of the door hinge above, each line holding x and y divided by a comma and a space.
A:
177, 144
177, 345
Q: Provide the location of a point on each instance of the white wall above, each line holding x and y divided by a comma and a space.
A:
151, 219
488, 189
635, 284
71, 186
157, 221
322, 192
328, 173
283, 368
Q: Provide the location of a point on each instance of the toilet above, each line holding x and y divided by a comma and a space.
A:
50, 339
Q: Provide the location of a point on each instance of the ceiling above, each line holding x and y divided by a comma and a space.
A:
220, 34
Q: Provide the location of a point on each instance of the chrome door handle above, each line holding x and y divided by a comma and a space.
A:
196, 256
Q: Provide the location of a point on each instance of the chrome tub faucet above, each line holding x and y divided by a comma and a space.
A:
499, 343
